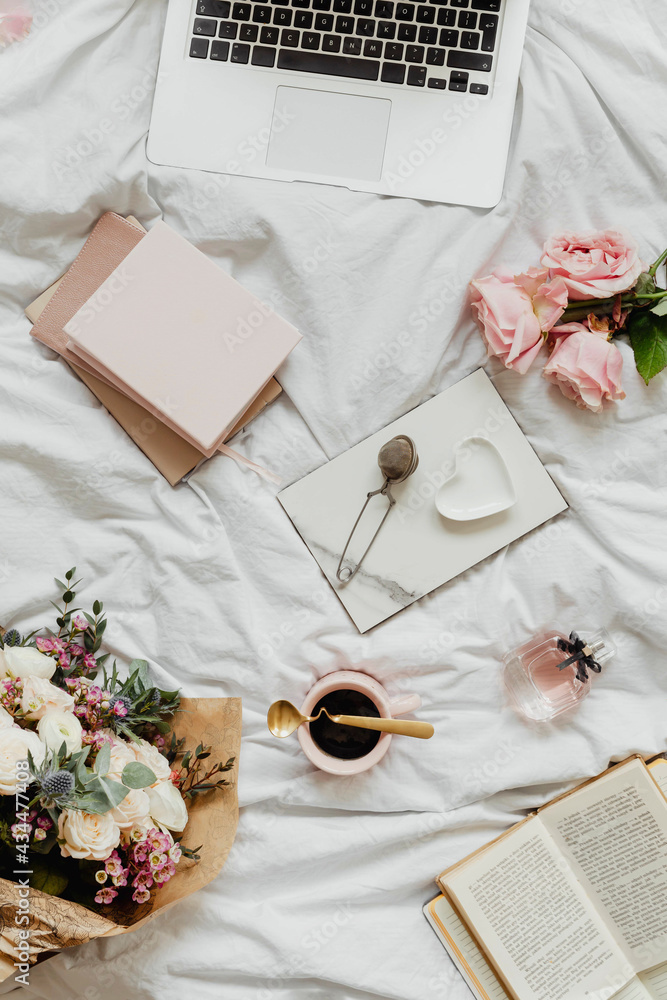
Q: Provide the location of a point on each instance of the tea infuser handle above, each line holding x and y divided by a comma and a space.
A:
385, 489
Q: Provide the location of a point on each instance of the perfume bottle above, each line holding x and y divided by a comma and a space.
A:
553, 672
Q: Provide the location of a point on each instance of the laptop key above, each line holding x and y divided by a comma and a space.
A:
365, 27
469, 40
303, 19
479, 88
227, 29
436, 57
220, 51
414, 53
240, 53
289, 37
417, 76
205, 27
352, 46
489, 25
324, 22
342, 6
449, 38
248, 33
269, 36
383, 8
310, 40
213, 8
199, 48
321, 4
458, 81
320, 62
425, 15
394, 51
386, 29
392, 73
262, 56
436, 84
363, 8
490, 5
467, 19
470, 60
345, 25
447, 18
300, 3
261, 13
372, 48
459, 3
282, 17
405, 11
241, 11
428, 35
331, 43
407, 32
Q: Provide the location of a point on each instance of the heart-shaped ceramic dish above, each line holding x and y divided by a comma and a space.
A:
480, 484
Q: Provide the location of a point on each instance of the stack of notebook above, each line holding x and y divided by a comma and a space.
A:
177, 351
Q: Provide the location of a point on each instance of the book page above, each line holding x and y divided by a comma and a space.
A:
464, 951
535, 920
658, 769
613, 834
655, 981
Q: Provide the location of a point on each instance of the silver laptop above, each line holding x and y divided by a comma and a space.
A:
413, 99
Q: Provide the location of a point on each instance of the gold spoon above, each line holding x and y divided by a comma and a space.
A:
283, 718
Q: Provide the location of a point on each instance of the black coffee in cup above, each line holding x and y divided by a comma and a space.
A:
344, 742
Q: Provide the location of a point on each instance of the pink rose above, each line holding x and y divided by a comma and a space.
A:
595, 266
585, 366
513, 311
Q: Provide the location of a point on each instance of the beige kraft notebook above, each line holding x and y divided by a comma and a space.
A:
171, 455
571, 903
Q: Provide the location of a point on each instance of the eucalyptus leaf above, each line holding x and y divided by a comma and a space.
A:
136, 775
648, 336
103, 761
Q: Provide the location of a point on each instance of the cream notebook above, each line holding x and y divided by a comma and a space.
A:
131, 331
570, 904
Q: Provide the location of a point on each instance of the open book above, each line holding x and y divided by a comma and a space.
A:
571, 903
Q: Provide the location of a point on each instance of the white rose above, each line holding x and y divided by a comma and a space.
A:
25, 661
87, 835
167, 806
14, 746
149, 755
57, 727
132, 811
40, 695
6, 719
121, 755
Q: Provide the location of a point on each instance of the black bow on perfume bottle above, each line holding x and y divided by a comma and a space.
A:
581, 654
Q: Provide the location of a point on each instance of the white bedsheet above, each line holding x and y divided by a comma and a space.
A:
322, 893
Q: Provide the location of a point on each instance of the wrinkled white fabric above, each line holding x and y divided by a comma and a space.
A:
322, 893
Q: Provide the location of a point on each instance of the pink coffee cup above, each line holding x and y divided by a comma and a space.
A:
352, 680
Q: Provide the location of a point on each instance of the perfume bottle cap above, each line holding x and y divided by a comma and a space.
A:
589, 653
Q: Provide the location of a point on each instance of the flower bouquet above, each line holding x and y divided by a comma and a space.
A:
589, 290
106, 786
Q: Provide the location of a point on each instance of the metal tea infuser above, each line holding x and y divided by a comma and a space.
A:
397, 460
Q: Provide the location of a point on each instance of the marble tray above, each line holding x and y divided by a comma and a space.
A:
418, 549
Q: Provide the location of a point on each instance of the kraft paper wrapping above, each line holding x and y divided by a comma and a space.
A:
59, 923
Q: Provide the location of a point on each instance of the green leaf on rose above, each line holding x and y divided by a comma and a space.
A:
645, 284
136, 775
648, 336
660, 309
47, 878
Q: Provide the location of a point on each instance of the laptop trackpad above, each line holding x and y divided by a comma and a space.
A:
336, 135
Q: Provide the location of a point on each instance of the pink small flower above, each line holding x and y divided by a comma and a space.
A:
45, 822
106, 896
120, 880
64, 660
175, 778
89, 661
120, 709
80, 623
141, 896
75, 650
44, 645
585, 366
40, 834
94, 695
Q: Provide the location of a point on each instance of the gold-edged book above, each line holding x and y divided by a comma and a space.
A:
571, 902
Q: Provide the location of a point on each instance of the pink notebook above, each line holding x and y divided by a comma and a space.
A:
174, 332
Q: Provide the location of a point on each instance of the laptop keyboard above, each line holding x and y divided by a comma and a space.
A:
440, 44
